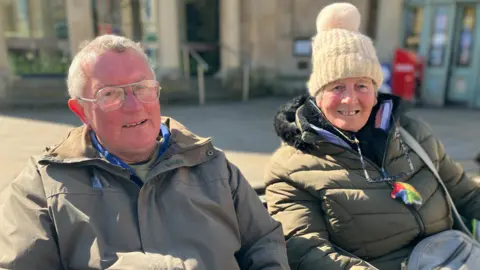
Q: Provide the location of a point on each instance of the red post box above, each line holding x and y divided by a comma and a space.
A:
404, 71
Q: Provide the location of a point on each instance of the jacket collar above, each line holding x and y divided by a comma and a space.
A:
300, 124
77, 147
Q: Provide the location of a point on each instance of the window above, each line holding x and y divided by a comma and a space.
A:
466, 37
413, 27
439, 38
36, 34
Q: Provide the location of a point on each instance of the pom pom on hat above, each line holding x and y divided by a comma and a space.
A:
339, 16
340, 51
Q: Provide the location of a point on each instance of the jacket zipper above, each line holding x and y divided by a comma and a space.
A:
412, 210
386, 147
418, 218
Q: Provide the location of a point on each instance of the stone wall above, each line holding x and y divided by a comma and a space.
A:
389, 26
269, 28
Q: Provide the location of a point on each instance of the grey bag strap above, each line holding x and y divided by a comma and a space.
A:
410, 141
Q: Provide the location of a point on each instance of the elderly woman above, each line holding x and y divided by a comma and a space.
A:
333, 182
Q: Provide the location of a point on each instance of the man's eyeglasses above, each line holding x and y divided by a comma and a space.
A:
112, 97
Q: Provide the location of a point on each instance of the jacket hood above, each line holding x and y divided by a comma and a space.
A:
294, 120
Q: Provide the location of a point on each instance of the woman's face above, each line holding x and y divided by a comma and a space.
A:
347, 103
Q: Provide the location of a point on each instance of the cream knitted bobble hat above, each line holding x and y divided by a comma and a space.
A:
340, 51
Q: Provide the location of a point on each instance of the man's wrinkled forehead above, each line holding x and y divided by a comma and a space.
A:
116, 68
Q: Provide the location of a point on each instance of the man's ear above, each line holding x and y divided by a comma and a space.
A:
77, 108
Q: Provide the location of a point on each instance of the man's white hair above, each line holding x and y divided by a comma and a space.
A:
77, 78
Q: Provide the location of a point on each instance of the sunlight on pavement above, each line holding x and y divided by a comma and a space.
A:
252, 164
22, 137
243, 130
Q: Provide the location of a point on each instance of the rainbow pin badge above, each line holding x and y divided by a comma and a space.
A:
407, 193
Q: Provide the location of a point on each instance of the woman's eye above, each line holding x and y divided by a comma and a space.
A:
363, 87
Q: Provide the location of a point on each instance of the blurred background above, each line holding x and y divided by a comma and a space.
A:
239, 60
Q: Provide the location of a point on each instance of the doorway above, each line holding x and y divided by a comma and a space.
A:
452, 53
462, 74
203, 32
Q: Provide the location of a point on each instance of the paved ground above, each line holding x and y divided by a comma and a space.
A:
243, 130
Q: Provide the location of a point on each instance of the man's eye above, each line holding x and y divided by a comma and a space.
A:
110, 93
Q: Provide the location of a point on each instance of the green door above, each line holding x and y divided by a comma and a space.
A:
462, 79
437, 49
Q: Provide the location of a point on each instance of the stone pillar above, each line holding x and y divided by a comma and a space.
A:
41, 20
389, 26
3, 44
22, 18
264, 37
168, 36
126, 18
80, 23
4, 69
230, 34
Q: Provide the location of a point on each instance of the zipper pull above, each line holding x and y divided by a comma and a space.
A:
384, 173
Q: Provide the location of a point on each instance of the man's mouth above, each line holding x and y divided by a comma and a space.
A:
349, 113
135, 124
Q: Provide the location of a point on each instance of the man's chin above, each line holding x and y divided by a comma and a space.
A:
138, 152
141, 146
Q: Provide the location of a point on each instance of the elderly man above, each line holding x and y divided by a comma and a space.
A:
130, 190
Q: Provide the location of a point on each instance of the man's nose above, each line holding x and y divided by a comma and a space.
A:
131, 102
